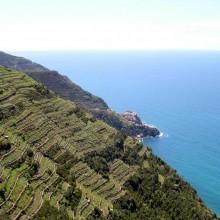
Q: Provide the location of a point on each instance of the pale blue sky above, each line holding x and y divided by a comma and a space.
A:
109, 24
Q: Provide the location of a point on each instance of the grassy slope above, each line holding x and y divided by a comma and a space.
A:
67, 143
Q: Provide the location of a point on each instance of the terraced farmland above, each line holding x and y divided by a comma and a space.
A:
41, 134
58, 162
121, 171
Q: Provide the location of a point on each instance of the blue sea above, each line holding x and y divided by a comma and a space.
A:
179, 92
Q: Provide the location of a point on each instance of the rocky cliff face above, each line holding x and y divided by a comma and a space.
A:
68, 90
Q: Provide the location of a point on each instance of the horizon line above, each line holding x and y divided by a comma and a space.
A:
113, 50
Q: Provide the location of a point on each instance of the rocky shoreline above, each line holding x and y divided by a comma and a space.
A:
139, 129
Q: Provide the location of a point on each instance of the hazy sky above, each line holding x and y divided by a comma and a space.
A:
109, 24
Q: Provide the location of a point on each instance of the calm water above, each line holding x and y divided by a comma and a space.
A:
179, 92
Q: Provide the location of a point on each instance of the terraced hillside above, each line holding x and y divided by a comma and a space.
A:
68, 90
59, 162
58, 83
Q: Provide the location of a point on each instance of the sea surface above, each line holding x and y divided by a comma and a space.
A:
179, 92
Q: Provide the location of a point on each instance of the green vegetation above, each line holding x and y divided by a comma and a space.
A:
68, 90
4, 145
99, 164
157, 192
48, 212
58, 162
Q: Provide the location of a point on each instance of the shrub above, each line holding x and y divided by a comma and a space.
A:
2, 194
4, 145
96, 214
48, 212
72, 196
34, 169
99, 164
30, 153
